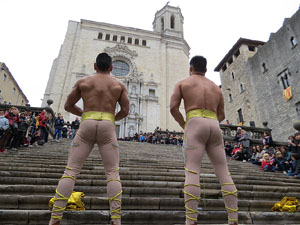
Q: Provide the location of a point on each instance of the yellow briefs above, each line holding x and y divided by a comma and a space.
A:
94, 115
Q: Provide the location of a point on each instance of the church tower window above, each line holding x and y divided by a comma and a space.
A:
264, 67
162, 24
122, 39
144, 42
136, 41
107, 37
120, 68
230, 98
242, 88
172, 22
129, 40
233, 76
115, 38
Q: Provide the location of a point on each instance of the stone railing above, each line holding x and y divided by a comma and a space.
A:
256, 134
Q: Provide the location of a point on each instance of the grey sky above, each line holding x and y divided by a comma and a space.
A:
32, 31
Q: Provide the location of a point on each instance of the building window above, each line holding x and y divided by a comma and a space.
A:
265, 69
107, 37
120, 68
237, 53
284, 79
132, 108
230, 60
152, 92
172, 22
251, 48
230, 98
136, 41
232, 74
100, 36
240, 116
14, 90
129, 40
242, 88
298, 109
122, 39
4, 77
162, 24
293, 41
144, 42
22, 102
115, 38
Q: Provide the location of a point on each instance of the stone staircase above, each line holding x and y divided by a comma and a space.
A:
152, 179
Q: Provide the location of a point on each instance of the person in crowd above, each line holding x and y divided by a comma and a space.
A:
258, 156
267, 140
42, 120
291, 144
238, 134
296, 158
22, 130
297, 143
4, 125
13, 117
244, 139
74, 126
202, 134
58, 125
97, 126
267, 163
228, 148
279, 163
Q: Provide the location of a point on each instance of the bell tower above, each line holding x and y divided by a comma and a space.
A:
169, 21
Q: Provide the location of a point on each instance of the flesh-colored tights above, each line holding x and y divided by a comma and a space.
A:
90, 132
204, 135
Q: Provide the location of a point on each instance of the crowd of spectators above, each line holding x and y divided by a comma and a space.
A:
18, 129
269, 157
157, 137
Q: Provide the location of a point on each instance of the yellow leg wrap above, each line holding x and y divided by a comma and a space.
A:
192, 197
114, 198
191, 171
73, 178
58, 208
69, 168
226, 193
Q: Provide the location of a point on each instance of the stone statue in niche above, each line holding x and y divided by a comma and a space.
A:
133, 90
131, 131
132, 108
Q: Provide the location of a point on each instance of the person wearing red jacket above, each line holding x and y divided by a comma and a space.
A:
43, 119
267, 164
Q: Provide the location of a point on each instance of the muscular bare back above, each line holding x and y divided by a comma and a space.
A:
99, 92
198, 92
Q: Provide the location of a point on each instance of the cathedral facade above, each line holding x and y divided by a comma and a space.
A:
149, 63
261, 81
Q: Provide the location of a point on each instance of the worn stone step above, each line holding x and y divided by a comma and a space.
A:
41, 217
136, 203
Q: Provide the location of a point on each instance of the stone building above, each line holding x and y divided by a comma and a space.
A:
10, 91
260, 81
149, 63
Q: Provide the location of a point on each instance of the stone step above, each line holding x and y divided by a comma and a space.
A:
133, 203
141, 217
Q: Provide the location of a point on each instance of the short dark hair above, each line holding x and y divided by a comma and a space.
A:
198, 63
103, 62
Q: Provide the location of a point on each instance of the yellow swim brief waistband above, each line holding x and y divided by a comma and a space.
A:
94, 115
201, 113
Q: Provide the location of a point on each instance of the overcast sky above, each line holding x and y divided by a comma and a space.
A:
32, 31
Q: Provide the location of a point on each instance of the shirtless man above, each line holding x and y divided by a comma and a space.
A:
100, 93
204, 106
